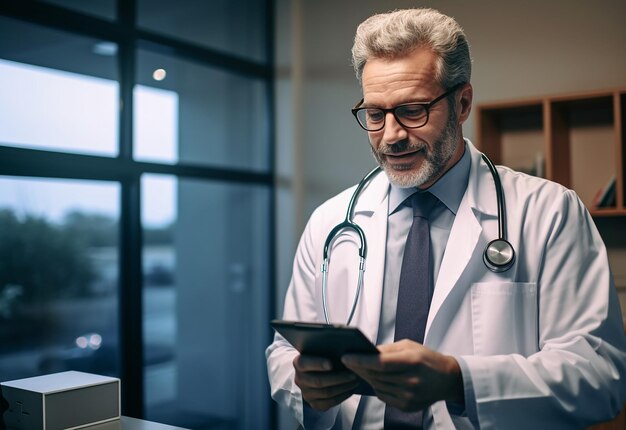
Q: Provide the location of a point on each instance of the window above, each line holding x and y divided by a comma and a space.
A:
136, 190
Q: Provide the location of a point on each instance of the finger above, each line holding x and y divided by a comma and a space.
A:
399, 387
324, 379
410, 377
325, 398
400, 345
403, 400
395, 357
316, 393
403, 405
362, 361
327, 403
311, 363
391, 362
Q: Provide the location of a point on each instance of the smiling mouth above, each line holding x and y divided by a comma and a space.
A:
404, 154
405, 160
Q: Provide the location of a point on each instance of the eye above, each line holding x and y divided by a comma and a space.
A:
411, 111
374, 115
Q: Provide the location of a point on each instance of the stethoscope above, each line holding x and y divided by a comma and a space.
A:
499, 254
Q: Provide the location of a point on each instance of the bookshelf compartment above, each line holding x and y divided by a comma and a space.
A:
514, 136
584, 158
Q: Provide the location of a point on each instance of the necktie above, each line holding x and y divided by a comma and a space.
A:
414, 294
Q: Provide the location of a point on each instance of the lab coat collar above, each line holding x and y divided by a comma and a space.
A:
481, 189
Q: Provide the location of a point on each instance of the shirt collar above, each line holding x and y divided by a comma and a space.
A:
449, 188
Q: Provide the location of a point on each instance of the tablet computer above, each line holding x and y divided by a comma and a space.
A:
327, 340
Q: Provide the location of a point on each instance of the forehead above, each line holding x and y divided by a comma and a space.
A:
391, 80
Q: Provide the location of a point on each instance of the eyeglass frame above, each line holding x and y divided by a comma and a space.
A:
426, 105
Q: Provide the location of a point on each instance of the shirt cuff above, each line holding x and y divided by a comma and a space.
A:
315, 419
468, 389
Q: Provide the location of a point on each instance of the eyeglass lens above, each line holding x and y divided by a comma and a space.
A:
409, 115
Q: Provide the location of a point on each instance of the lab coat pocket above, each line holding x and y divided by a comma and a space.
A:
504, 318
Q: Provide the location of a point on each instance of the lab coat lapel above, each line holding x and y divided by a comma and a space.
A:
466, 231
371, 214
461, 245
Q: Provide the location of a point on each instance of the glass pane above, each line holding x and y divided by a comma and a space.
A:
206, 303
100, 8
59, 91
199, 115
155, 124
237, 28
58, 276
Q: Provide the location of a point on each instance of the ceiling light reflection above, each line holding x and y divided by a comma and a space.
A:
159, 74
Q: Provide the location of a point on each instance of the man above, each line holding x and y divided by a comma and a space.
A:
537, 345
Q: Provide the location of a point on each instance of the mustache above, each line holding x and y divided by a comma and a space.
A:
400, 146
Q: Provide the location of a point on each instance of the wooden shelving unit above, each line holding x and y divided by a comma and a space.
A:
577, 140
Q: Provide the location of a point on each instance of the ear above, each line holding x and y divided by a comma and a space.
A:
464, 104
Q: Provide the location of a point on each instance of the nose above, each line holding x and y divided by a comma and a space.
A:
393, 131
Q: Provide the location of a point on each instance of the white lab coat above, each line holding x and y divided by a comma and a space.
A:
543, 343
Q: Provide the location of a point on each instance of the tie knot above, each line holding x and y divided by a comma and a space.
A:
422, 203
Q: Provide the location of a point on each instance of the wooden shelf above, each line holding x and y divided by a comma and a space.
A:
577, 140
607, 212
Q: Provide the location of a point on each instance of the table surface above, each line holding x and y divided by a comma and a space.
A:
128, 423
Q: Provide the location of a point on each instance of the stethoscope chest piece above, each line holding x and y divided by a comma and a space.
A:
499, 255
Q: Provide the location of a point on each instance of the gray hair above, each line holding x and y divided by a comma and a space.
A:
395, 34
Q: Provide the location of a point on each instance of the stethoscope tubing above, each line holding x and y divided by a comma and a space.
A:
349, 225
500, 197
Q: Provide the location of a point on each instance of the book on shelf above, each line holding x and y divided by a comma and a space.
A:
605, 197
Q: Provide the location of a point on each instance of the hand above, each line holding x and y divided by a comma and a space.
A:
322, 388
408, 375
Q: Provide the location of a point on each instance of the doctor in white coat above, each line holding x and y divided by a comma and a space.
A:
539, 346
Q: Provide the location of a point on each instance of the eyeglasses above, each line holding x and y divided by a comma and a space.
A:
409, 115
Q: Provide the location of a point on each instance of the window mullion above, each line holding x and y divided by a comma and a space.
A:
131, 279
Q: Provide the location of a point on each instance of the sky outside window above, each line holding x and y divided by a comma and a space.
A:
50, 109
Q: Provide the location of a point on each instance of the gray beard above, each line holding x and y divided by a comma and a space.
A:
435, 161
